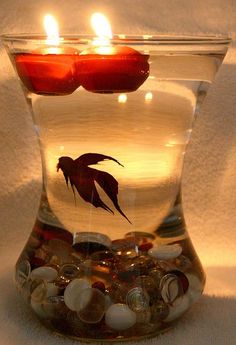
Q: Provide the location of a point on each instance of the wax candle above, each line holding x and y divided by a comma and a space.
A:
52, 74
107, 68
51, 69
112, 69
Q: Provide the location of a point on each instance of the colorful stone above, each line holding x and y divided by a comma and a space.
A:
119, 290
148, 284
104, 257
69, 271
156, 274
170, 288
137, 299
145, 246
130, 269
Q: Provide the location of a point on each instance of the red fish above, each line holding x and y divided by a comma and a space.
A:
83, 178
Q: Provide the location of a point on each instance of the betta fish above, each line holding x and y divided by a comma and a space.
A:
83, 178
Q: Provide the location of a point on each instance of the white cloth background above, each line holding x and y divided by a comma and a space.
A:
209, 181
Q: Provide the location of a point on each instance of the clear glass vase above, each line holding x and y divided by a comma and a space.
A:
109, 257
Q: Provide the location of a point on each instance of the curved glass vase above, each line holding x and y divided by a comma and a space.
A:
109, 257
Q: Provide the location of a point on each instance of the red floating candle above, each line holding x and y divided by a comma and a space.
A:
107, 68
49, 70
112, 69
52, 74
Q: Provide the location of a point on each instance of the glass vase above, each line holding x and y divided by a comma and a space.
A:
109, 257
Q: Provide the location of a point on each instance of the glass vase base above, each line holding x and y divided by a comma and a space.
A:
119, 338
86, 286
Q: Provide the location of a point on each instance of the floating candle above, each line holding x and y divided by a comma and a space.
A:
49, 70
107, 68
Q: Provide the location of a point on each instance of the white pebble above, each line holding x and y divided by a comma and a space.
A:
120, 317
165, 252
178, 308
73, 290
46, 273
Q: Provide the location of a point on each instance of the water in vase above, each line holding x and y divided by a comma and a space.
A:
145, 132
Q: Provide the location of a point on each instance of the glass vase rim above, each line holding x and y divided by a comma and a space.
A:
160, 39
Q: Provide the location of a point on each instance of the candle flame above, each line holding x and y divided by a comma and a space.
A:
102, 28
52, 30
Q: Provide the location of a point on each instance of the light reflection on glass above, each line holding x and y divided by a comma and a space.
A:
122, 98
146, 37
148, 97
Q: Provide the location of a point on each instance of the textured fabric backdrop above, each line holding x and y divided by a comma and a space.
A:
209, 182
